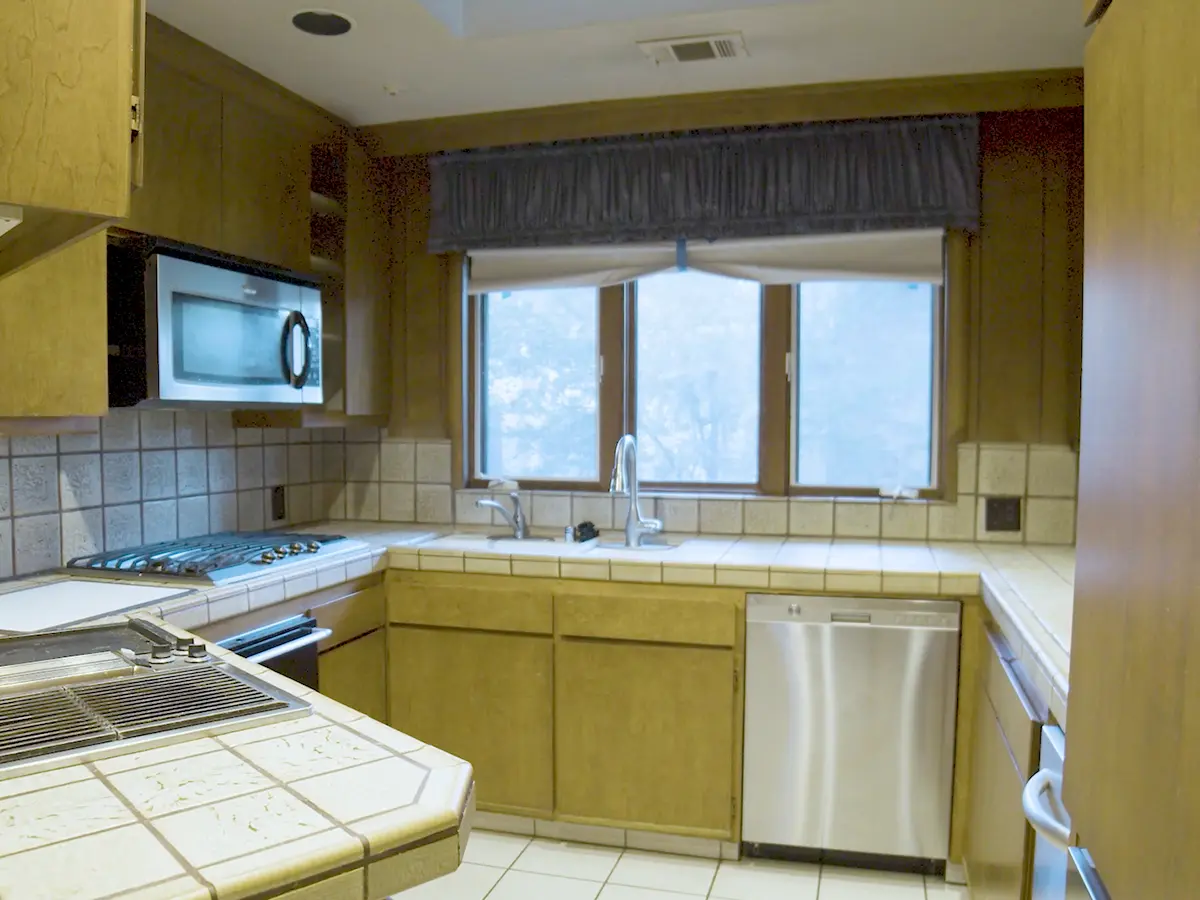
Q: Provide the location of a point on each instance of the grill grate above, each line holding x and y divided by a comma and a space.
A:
170, 700
47, 721
59, 719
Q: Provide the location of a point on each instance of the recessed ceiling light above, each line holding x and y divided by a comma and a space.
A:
322, 22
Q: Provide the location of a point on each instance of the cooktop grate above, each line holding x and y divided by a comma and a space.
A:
59, 719
193, 557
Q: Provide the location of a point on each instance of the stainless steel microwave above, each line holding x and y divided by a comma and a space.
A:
187, 326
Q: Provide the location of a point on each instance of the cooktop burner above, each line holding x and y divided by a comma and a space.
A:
211, 557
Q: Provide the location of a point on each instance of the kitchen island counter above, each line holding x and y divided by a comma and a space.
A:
329, 806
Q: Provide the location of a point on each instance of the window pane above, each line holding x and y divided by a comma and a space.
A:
698, 345
865, 384
540, 384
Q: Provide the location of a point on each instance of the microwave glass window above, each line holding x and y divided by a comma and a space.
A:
219, 342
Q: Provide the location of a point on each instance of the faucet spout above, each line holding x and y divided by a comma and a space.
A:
624, 481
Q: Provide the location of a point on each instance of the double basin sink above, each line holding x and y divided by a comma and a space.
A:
505, 543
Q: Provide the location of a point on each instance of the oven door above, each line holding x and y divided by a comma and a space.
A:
288, 647
227, 336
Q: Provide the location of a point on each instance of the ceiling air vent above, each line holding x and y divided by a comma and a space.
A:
695, 49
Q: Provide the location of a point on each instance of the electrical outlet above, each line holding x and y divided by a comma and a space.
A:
278, 504
1002, 514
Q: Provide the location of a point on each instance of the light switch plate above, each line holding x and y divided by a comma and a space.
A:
1002, 514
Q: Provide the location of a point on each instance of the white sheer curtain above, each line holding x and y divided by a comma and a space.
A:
914, 256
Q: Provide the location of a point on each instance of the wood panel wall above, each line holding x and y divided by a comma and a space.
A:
1027, 309
1025, 302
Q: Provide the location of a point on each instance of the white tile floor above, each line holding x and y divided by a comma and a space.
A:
511, 867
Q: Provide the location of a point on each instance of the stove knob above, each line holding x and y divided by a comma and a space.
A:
296, 548
160, 653
282, 550
197, 653
314, 546
183, 645
268, 556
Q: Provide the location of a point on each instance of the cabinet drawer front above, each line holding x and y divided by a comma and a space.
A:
1017, 716
351, 616
683, 618
481, 608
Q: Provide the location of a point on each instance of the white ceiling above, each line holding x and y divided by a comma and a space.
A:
403, 61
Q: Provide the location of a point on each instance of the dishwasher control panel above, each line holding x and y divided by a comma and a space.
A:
855, 611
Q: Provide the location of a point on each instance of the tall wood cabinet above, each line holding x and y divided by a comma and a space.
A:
1132, 775
69, 120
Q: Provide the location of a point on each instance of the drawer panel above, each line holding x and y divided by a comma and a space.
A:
483, 608
1015, 712
351, 616
657, 617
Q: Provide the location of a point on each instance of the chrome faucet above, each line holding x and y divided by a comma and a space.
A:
516, 517
624, 481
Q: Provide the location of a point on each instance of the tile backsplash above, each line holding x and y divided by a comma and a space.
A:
147, 476
393, 481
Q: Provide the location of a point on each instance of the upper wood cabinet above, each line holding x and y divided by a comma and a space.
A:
54, 336
68, 113
264, 186
1132, 768
181, 193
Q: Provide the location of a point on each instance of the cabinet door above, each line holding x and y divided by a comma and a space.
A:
368, 288
180, 197
644, 735
264, 186
1132, 770
997, 835
53, 334
356, 674
65, 105
485, 697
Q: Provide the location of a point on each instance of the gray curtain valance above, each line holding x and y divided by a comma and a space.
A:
823, 178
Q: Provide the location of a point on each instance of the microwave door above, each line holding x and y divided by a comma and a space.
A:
228, 337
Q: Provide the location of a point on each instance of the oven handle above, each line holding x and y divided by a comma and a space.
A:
317, 634
295, 319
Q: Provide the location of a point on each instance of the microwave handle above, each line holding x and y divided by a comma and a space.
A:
295, 319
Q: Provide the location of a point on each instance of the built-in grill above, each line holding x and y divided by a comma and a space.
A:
213, 558
150, 693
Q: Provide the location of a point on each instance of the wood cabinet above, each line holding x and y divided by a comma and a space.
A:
644, 735
181, 193
486, 697
53, 337
68, 114
264, 186
355, 673
472, 671
999, 844
575, 701
352, 665
1132, 770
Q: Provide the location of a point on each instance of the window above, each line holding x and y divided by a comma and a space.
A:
827, 387
539, 386
864, 384
698, 340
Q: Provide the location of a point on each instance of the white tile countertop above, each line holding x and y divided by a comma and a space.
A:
331, 806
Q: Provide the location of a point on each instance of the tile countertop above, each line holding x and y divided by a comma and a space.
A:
332, 806
1028, 589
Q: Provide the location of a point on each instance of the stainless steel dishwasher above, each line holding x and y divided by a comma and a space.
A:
849, 732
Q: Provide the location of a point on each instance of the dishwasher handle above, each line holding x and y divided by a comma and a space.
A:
854, 612
1038, 811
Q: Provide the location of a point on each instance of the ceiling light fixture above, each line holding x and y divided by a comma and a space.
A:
322, 22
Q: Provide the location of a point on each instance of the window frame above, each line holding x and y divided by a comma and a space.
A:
611, 388
777, 428
937, 447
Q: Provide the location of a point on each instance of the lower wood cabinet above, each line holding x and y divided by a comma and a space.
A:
644, 735
999, 847
487, 697
355, 674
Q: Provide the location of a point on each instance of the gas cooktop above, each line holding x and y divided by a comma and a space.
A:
213, 558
